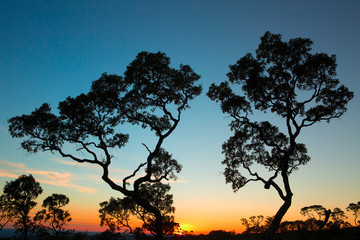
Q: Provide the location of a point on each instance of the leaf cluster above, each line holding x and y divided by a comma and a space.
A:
21, 193
164, 166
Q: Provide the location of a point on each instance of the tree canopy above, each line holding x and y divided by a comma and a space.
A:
287, 80
317, 214
53, 217
151, 94
20, 195
355, 208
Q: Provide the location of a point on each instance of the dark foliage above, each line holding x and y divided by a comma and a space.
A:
53, 217
151, 94
117, 212
355, 208
20, 195
287, 80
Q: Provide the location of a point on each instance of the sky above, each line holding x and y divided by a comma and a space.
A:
50, 50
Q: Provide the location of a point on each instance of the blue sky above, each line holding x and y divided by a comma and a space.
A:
53, 49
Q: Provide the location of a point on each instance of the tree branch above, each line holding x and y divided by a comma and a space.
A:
76, 158
133, 174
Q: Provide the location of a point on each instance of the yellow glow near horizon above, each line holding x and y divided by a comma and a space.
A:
186, 227
183, 229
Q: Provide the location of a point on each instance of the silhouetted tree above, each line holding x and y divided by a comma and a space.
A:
253, 224
117, 212
289, 226
337, 219
151, 94
20, 195
6, 212
316, 214
53, 217
287, 80
355, 208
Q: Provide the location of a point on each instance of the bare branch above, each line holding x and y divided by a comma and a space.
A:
146, 147
133, 174
95, 161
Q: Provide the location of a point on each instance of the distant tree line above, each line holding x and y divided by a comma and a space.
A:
318, 218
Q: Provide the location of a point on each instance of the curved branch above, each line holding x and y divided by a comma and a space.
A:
112, 184
268, 183
84, 146
63, 154
133, 174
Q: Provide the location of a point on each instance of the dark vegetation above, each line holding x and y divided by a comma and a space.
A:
151, 94
343, 234
16, 203
298, 87
117, 212
284, 79
19, 197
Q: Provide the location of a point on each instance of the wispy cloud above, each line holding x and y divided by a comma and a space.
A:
84, 189
62, 161
74, 163
88, 165
57, 176
62, 179
4, 173
14, 165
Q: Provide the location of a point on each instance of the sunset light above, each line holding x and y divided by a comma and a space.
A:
187, 118
184, 229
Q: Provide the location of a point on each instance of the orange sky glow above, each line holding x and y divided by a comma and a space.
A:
55, 49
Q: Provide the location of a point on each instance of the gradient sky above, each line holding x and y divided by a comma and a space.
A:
53, 49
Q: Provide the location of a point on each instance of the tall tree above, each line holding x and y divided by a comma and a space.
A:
53, 217
20, 194
355, 208
151, 94
316, 214
285, 79
338, 219
117, 213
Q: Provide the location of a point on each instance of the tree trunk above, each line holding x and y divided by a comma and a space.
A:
158, 217
274, 226
327, 216
158, 226
25, 225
